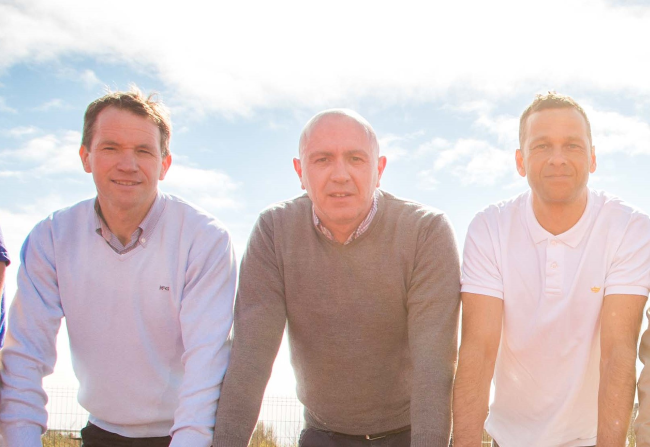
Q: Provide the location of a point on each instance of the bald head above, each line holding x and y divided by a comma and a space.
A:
330, 115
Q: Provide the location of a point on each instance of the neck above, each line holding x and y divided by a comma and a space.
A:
123, 222
556, 218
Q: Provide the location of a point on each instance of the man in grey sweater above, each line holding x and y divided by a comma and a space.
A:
368, 286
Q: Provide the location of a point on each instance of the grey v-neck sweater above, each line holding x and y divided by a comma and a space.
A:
372, 325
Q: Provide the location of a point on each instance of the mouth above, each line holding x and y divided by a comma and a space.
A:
125, 182
339, 195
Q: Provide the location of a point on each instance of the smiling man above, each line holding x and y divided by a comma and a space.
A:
368, 287
146, 284
553, 288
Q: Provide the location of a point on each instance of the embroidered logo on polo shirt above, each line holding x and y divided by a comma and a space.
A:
167, 288
595, 289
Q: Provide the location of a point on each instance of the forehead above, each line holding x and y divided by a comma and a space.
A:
557, 122
338, 132
123, 125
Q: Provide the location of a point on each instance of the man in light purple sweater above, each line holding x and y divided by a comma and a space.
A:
146, 284
368, 285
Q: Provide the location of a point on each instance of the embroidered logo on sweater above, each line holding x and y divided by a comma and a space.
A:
595, 289
166, 288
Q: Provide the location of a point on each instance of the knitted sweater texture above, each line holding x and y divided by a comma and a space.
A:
372, 325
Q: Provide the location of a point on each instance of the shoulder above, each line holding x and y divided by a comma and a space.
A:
414, 218
408, 208
178, 211
67, 219
287, 212
298, 204
617, 213
500, 213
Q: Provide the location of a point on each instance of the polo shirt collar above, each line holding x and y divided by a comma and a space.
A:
571, 237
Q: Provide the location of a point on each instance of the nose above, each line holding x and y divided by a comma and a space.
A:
340, 172
558, 157
128, 161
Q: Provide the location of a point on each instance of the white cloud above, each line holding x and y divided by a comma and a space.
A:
395, 147
613, 132
44, 155
21, 131
427, 180
237, 57
52, 104
210, 189
472, 161
3, 103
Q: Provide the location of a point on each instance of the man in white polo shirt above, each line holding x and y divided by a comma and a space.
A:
554, 284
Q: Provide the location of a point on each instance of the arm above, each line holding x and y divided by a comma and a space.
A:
482, 323
3, 266
433, 307
620, 324
642, 421
29, 353
206, 320
260, 317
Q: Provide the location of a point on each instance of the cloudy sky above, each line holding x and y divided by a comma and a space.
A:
443, 85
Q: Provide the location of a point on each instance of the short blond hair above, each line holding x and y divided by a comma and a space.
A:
551, 100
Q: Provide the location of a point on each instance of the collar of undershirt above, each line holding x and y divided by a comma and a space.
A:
362, 228
141, 234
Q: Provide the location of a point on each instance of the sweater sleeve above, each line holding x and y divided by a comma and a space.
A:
260, 317
30, 348
206, 320
433, 309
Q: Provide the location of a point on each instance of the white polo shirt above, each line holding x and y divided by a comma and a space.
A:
547, 369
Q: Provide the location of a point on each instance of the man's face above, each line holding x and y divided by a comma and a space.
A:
124, 158
340, 171
556, 155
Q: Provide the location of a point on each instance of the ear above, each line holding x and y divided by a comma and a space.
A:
84, 154
166, 163
298, 168
592, 165
519, 159
381, 165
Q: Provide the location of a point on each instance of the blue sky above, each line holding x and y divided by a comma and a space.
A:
443, 85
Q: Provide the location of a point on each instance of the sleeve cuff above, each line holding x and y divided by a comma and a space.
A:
190, 438
626, 290
481, 290
22, 435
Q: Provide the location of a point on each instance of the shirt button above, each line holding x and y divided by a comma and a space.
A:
554, 242
143, 240
554, 265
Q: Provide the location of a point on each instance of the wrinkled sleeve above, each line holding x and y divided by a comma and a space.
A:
433, 309
206, 319
29, 353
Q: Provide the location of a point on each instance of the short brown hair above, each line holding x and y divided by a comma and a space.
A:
135, 102
551, 100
